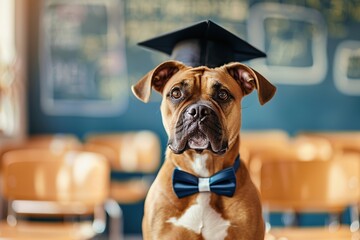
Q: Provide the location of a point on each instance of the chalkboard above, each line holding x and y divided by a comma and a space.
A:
83, 59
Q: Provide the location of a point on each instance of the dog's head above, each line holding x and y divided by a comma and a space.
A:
201, 106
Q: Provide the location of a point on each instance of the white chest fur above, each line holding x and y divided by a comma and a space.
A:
199, 165
201, 218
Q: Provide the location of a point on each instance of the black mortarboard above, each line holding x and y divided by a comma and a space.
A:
204, 43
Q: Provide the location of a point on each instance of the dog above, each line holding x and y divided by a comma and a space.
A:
201, 113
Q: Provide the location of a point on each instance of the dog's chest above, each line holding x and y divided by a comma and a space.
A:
202, 219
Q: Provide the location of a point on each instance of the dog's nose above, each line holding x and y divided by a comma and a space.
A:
198, 111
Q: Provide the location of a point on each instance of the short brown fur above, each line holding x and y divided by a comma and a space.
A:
243, 210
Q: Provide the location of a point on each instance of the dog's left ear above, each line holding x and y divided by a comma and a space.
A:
156, 78
249, 79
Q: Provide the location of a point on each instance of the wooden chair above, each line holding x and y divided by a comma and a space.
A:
341, 141
311, 186
42, 184
301, 148
135, 155
54, 142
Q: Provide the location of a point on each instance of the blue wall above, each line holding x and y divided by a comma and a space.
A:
318, 105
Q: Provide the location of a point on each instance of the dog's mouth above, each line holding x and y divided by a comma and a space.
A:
198, 141
198, 133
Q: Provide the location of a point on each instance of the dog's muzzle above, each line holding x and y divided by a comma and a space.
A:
198, 128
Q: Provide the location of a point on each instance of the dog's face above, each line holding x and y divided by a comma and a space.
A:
201, 107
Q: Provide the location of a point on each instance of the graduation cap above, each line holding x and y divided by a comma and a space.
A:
204, 43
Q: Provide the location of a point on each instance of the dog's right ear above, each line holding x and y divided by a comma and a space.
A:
157, 78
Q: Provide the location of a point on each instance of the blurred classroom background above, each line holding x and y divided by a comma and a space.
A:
66, 68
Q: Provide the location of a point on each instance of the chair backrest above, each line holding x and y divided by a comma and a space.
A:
45, 175
264, 138
255, 142
130, 151
267, 155
309, 148
54, 142
315, 185
340, 140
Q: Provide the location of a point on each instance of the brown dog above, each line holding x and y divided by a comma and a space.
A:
201, 112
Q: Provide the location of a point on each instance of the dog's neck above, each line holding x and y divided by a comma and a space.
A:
206, 163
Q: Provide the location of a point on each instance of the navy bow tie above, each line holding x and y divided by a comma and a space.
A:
221, 183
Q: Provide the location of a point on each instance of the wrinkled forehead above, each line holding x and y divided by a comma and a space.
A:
204, 76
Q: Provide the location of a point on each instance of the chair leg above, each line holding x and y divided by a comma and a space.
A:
11, 214
291, 218
354, 215
99, 222
334, 221
114, 211
266, 217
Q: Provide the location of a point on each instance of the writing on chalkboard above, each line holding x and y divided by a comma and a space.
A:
84, 67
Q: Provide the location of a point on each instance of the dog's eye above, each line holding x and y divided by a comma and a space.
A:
176, 93
223, 95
